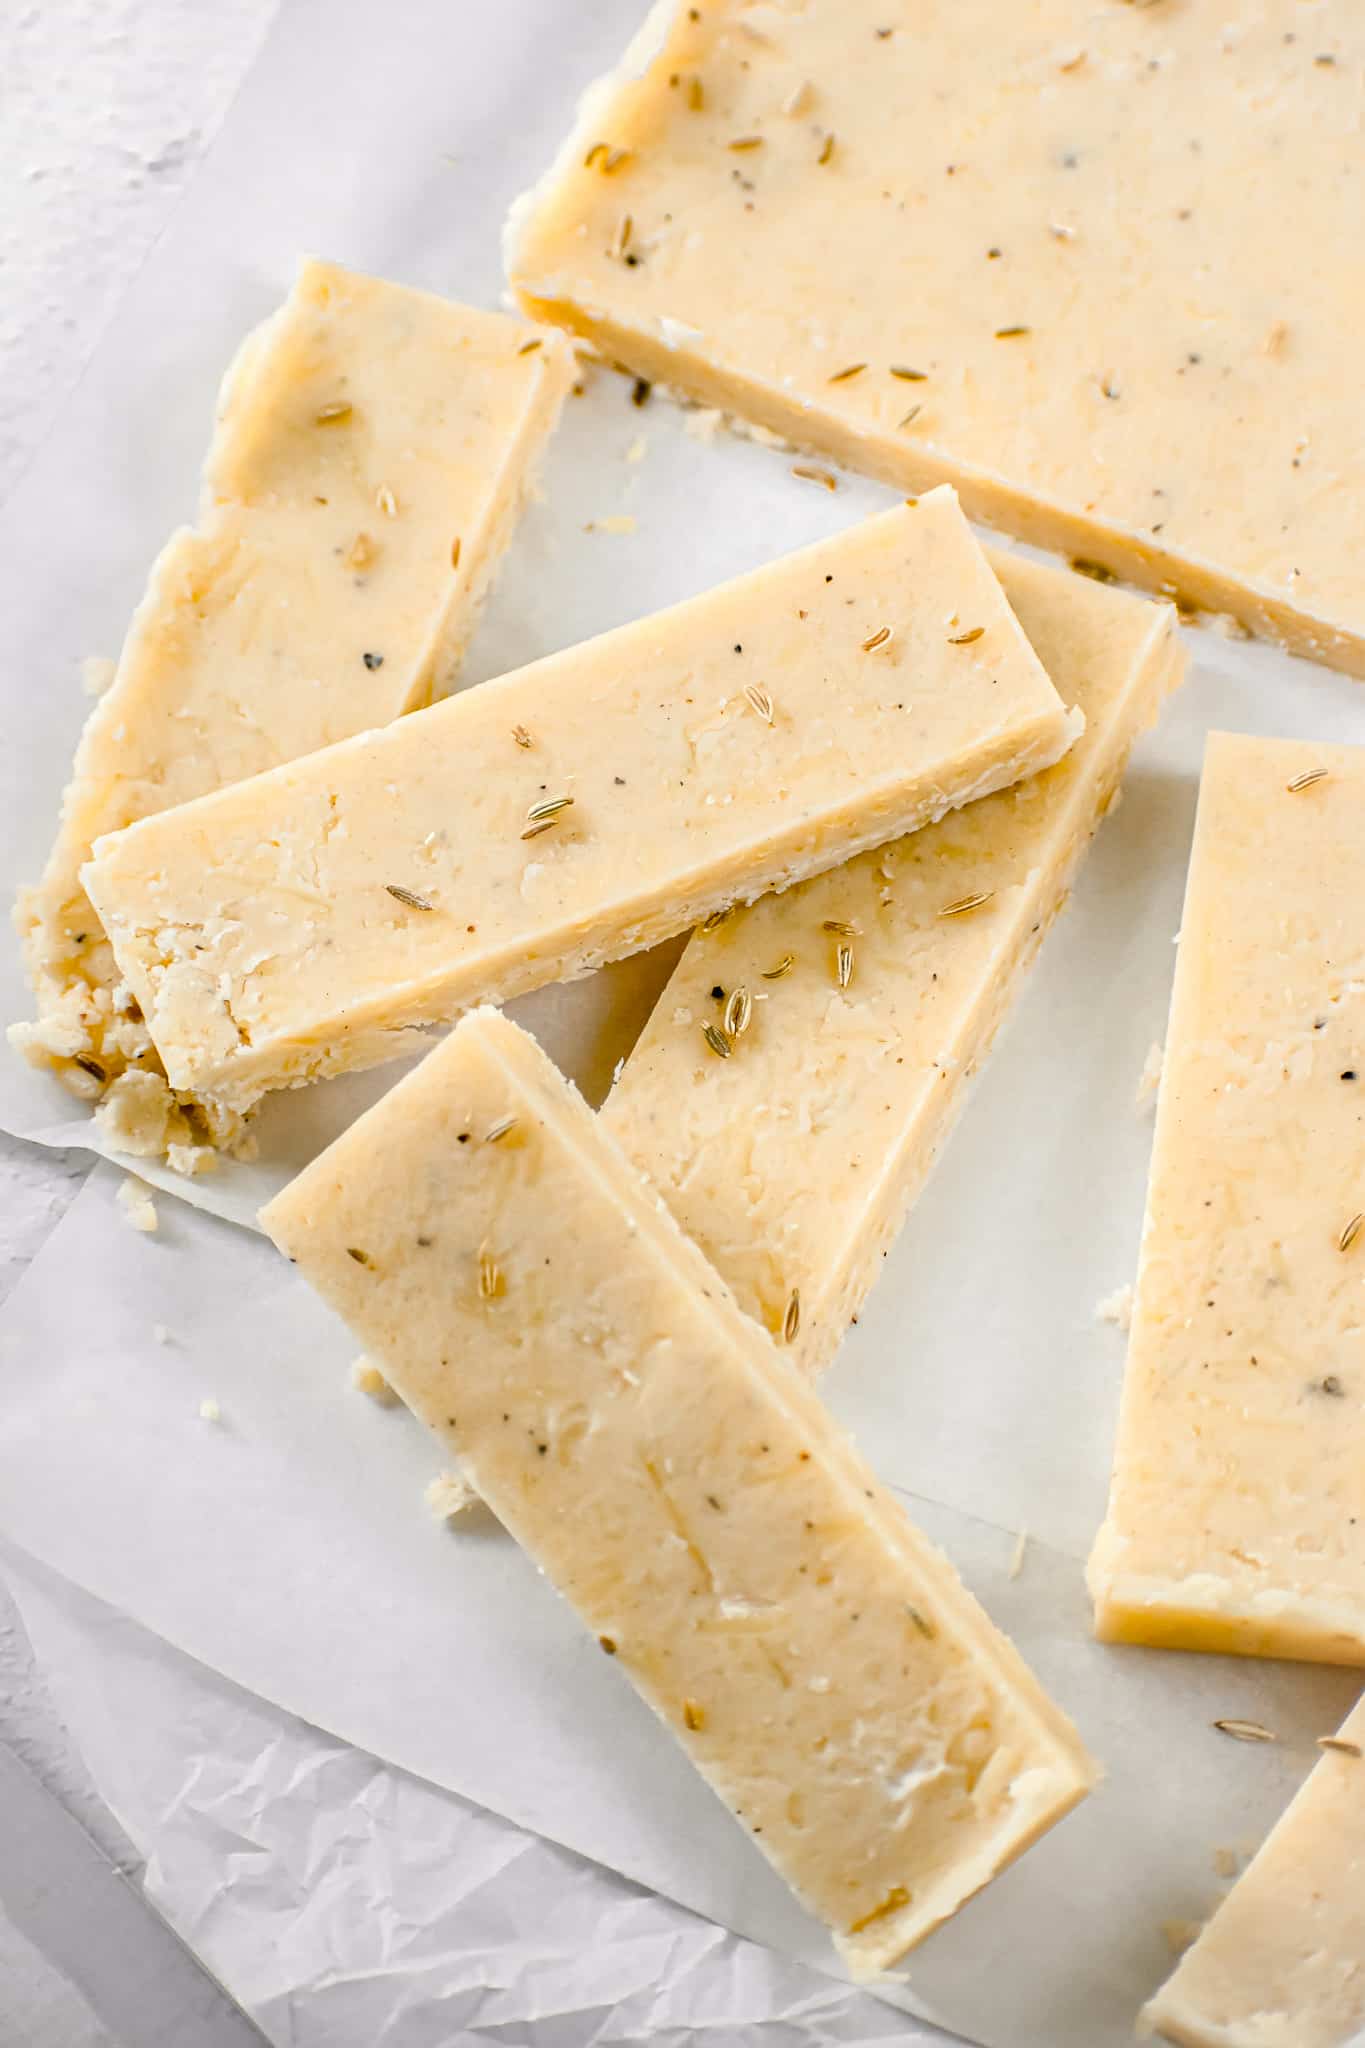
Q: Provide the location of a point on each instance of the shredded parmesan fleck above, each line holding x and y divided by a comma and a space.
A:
1150, 1078
449, 1495
368, 1379
1116, 1308
135, 1200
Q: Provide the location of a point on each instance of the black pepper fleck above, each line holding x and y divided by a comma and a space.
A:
373, 661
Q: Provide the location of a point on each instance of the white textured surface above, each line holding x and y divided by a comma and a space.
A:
105, 108
44, 2005
471, 1931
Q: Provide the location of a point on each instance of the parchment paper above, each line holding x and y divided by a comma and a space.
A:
288, 1547
345, 1901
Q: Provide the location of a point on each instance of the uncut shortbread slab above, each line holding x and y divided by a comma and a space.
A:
578, 809
532, 1300
1070, 259
1236, 1515
371, 451
793, 1161
1282, 1962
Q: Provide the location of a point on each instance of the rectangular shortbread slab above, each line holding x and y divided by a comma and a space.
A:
683, 1488
1237, 1512
578, 809
793, 1162
1282, 1962
1086, 263
371, 451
